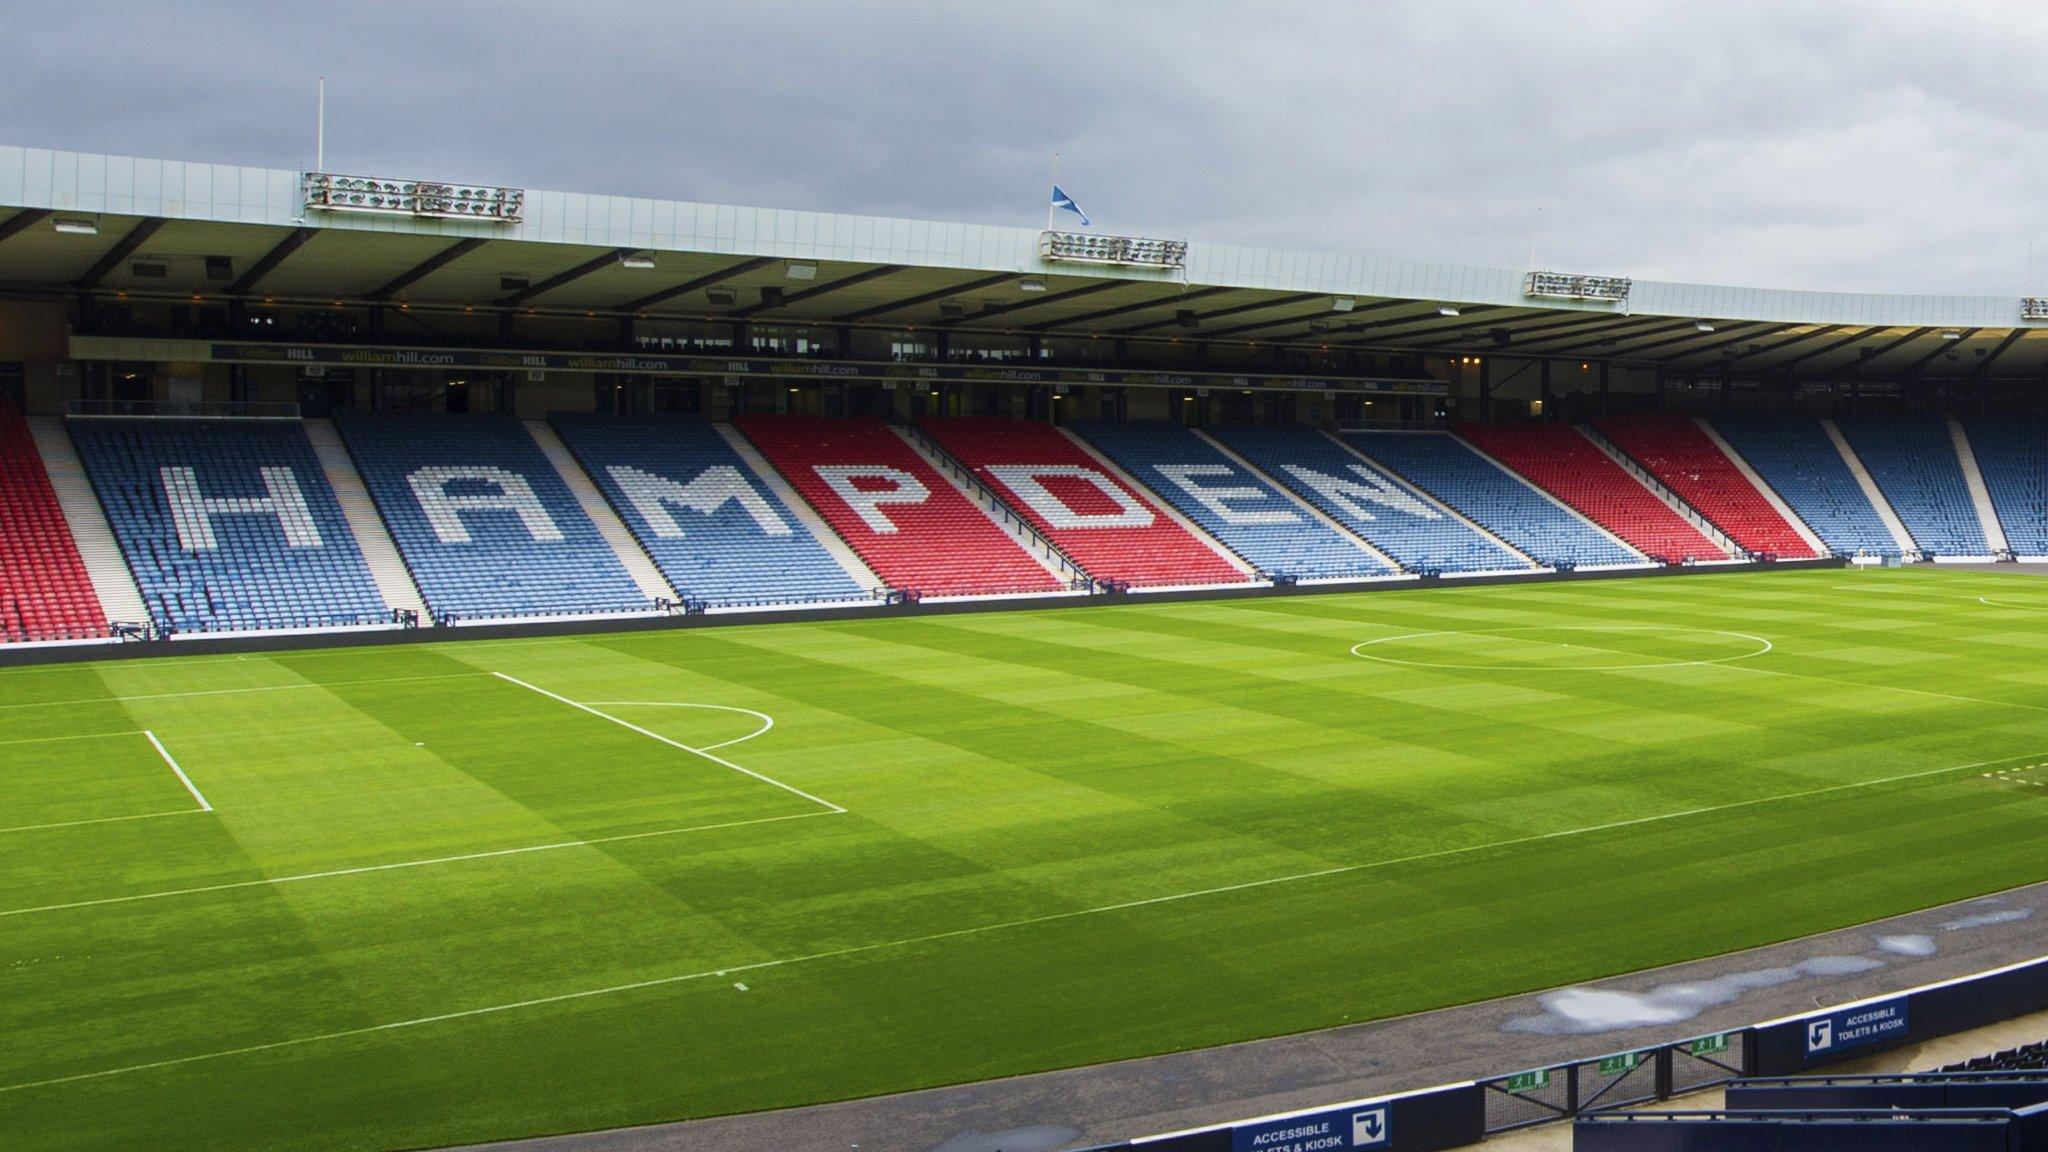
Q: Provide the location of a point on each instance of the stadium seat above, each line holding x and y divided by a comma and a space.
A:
45, 593
1572, 468
1493, 498
1915, 465
1672, 447
910, 524
1231, 503
1801, 464
1414, 532
1113, 532
228, 525
718, 535
482, 519
2013, 456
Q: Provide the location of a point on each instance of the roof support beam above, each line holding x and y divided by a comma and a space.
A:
1325, 313
122, 249
595, 263
688, 286
1788, 342
1739, 338
22, 220
1182, 297
1553, 326
927, 297
1044, 298
2011, 338
1433, 324
1924, 361
1657, 327
1829, 347
293, 241
812, 293
1220, 313
426, 268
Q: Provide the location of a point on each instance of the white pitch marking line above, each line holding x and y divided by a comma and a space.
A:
101, 820
71, 736
766, 720
182, 778
396, 865
910, 942
238, 691
658, 737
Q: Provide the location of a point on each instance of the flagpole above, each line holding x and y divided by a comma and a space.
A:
1048, 192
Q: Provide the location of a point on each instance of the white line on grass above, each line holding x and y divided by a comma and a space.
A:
182, 778
658, 737
956, 933
72, 736
102, 820
396, 865
236, 691
766, 720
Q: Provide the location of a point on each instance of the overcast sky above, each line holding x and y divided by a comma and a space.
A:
1858, 145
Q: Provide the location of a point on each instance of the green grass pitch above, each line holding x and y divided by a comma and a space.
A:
436, 901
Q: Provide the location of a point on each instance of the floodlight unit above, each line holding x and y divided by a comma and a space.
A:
73, 226
1084, 248
638, 260
2034, 308
1568, 286
330, 192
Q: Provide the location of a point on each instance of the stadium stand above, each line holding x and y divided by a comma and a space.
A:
484, 522
1672, 447
1494, 498
228, 525
2013, 456
1800, 463
1569, 466
1914, 463
1231, 503
719, 536
1111, 531
2025, 1058
911, 525
1418, 535
45, 593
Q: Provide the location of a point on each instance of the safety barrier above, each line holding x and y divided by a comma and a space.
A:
1595, 1087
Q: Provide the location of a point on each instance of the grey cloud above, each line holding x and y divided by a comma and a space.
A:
1847, 145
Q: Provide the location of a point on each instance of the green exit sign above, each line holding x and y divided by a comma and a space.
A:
1616, 1065
1529, 1081
1708, 1045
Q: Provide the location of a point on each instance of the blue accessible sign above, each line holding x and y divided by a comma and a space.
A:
1856, 1027
1369, 1126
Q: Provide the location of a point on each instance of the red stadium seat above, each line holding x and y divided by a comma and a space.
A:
1671, 447
918, 532
1560, 460
1109, 529
45, 593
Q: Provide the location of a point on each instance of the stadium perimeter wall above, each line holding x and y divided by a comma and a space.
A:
68, 653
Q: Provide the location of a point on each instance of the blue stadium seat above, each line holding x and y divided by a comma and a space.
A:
718, 534
228, 525
1417, 534
1915, 465
1493, 498
1798, 460
2013, 456
1231, 503
483, 520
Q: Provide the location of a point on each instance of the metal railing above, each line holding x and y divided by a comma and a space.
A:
186, 409
1677, 503
953, 466
1618, 1079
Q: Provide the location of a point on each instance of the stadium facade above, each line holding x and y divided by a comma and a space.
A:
251, 400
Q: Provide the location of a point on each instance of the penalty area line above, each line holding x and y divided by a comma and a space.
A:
678, 745
182, 778
331, 873
975, 930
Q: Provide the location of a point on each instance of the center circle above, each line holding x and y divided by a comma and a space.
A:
1588, 648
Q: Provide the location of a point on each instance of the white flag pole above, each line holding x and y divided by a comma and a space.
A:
320, 129
1049, 209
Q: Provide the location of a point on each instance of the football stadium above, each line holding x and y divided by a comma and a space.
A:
485, 665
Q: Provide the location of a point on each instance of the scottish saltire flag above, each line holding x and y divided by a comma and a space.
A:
1060, 199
